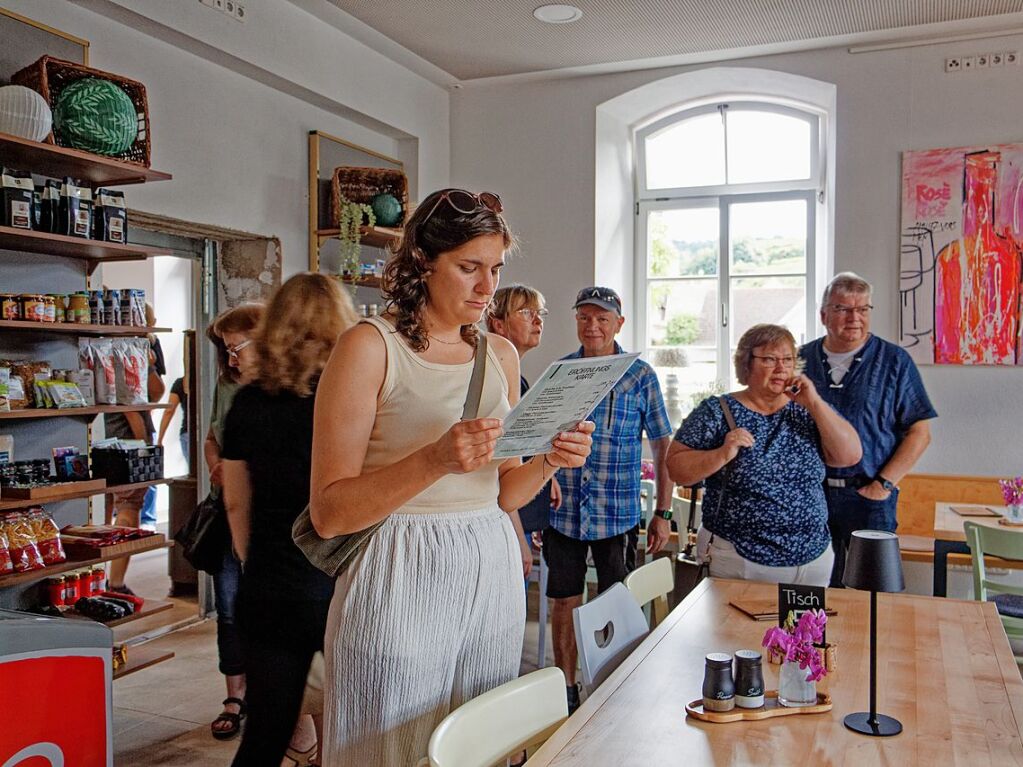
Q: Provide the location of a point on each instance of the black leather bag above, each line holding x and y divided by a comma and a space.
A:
205, 536
334, 555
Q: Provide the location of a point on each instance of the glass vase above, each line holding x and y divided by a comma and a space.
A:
793, 689
1016, 512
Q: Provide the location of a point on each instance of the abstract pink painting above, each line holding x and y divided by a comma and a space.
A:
961, 261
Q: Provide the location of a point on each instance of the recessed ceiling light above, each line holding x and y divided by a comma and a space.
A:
558, 14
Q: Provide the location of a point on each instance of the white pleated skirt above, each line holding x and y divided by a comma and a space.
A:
430, 615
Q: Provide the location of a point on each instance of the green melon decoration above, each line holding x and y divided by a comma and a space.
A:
97, 116
387, 209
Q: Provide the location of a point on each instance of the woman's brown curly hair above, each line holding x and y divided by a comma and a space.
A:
241, 319
298, 332
404, 281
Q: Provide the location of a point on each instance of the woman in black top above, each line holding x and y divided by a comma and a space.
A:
267, 456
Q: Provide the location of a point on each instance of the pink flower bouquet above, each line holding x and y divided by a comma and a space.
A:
795, 642
1012, 491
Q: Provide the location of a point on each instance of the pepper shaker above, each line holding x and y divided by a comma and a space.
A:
749, 679
718, 686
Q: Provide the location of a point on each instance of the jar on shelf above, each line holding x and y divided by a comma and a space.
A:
10, 306
33, 307
55, 590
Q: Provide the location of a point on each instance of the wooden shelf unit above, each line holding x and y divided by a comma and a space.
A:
71, 495
12, 579
91, 251
77, 412
374, 236
79, 328
140, 657
59, 162
362, 282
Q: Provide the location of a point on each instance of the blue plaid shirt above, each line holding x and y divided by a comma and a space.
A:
601, 499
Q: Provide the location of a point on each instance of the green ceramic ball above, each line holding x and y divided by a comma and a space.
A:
97, 116
387, 209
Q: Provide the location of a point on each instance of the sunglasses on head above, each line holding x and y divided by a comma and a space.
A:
466, 202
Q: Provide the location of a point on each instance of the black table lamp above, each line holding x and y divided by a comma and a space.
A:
873, 564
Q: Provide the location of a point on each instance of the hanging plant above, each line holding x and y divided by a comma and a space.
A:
350, 216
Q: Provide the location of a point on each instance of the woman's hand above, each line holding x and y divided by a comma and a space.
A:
734, 441
217, 474
467, 446
527, 557
801, 390
571, 448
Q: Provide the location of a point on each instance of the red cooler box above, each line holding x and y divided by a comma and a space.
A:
55, 683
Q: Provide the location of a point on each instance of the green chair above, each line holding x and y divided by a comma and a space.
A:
1008, 599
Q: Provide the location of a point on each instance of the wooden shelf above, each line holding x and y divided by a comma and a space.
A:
79, 329
70, 496
59, 161
362, 282
93, 251
12, 579
77, 412
374, 236
140, 657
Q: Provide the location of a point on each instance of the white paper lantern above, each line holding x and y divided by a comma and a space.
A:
24, 113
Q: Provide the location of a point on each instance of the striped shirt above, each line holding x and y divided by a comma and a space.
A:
601, 498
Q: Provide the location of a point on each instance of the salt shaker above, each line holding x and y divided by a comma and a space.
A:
749, 679
718, 687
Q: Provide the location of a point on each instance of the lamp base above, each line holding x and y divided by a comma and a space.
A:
882, 726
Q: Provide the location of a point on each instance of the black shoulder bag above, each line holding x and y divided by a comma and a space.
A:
204, 537
334, 555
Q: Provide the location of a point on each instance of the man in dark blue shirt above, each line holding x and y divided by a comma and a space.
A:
875, 385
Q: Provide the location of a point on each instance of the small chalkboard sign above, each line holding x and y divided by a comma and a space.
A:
798, 599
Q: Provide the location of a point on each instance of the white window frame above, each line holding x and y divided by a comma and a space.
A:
810, 189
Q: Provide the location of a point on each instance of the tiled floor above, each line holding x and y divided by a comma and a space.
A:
162, 714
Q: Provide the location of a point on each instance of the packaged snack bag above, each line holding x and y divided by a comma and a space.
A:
21, 543
47, 536
131, 370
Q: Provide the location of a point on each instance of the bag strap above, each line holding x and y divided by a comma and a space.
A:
471, 408
727, 470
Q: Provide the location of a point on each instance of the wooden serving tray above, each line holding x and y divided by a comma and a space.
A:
770, 708
1009, 522
78, 551
42, 492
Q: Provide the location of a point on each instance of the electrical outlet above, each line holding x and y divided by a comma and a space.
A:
997, 59
983, 60
229, 8
969, 62
239, 11
953, 64
1011, 58
219, 5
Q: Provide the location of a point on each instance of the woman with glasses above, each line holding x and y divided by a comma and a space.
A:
517, 313
267, 455
762, 451
430, 613
231, 334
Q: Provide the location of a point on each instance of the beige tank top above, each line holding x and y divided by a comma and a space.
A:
418, 402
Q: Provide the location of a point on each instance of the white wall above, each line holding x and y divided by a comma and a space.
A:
534, 143
237, 147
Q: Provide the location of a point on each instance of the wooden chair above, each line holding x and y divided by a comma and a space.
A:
651, 584
1008, 599
501, 723
607, 629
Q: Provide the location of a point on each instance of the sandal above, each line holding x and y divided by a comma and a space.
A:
302, 758
234, 720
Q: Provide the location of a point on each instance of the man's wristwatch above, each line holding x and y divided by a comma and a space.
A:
664, 514
885, 483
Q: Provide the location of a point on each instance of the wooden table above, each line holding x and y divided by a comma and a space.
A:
945, 671
950, 537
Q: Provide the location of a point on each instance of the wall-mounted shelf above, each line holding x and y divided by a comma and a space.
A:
59, 161
93, 251
140, 657
70, 495
79, 329
65, 567
374, 236
362, 282
77, 412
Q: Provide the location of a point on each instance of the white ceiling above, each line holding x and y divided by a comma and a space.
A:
468, 39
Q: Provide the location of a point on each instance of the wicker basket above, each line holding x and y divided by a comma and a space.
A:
49, 76
361, 185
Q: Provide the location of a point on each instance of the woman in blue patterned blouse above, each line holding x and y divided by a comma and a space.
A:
765, 517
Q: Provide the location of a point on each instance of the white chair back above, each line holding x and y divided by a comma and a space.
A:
607, 629
501, 722
652, 583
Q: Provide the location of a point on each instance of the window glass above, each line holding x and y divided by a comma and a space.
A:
688, 153
767, 237
683, 242
766, 146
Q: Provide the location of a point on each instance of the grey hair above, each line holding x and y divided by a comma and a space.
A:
846, 282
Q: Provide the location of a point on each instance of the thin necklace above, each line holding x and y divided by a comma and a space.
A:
442, 341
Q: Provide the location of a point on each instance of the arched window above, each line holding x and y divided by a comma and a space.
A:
727, 199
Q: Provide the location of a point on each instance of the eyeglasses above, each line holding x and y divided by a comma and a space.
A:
771, 361
848, 311
466, 202
530, 315
232, 351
